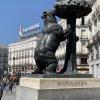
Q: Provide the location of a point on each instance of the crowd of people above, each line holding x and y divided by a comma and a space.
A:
7, 83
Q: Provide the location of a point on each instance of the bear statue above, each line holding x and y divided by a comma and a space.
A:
44, 54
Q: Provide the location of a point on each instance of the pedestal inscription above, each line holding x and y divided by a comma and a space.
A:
58, 89
72, 83
59, 83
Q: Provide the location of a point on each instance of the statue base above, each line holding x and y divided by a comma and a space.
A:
65, 75
58, 89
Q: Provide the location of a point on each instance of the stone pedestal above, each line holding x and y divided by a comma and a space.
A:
58, 89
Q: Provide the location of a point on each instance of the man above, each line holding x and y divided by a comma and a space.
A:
11, 85
1, 88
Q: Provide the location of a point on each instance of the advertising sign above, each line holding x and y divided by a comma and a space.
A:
29, 30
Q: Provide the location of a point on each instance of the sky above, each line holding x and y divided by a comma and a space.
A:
14, 13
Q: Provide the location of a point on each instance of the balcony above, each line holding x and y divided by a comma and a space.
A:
95, 39
84, 40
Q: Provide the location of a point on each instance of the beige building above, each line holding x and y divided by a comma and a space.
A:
82, 52
3, 59
21, 53
93, 23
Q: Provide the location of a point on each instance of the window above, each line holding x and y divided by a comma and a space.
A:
95, 22
22, 55
83, 34
13, 58
90, 28
98, 17
83, 60
4, 61
0, 55
5, 55
19, 55
83, 21
25, 54
97, 54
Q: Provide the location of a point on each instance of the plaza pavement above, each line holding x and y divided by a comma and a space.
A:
9, 95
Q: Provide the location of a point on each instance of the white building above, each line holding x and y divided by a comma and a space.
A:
93, 23
21, 53
82, 52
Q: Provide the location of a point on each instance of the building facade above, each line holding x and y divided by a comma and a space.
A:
93, 23
21, 53
82, 52
3, 59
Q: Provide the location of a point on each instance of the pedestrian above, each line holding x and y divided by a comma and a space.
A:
11, 85
1, 89
7, 87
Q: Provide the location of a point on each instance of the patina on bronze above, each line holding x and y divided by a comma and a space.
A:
45, 50
70, 10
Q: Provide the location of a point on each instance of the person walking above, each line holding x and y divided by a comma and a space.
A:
11, 85
1, 89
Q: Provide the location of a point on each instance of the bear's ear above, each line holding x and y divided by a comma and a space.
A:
41, 17
45, 13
